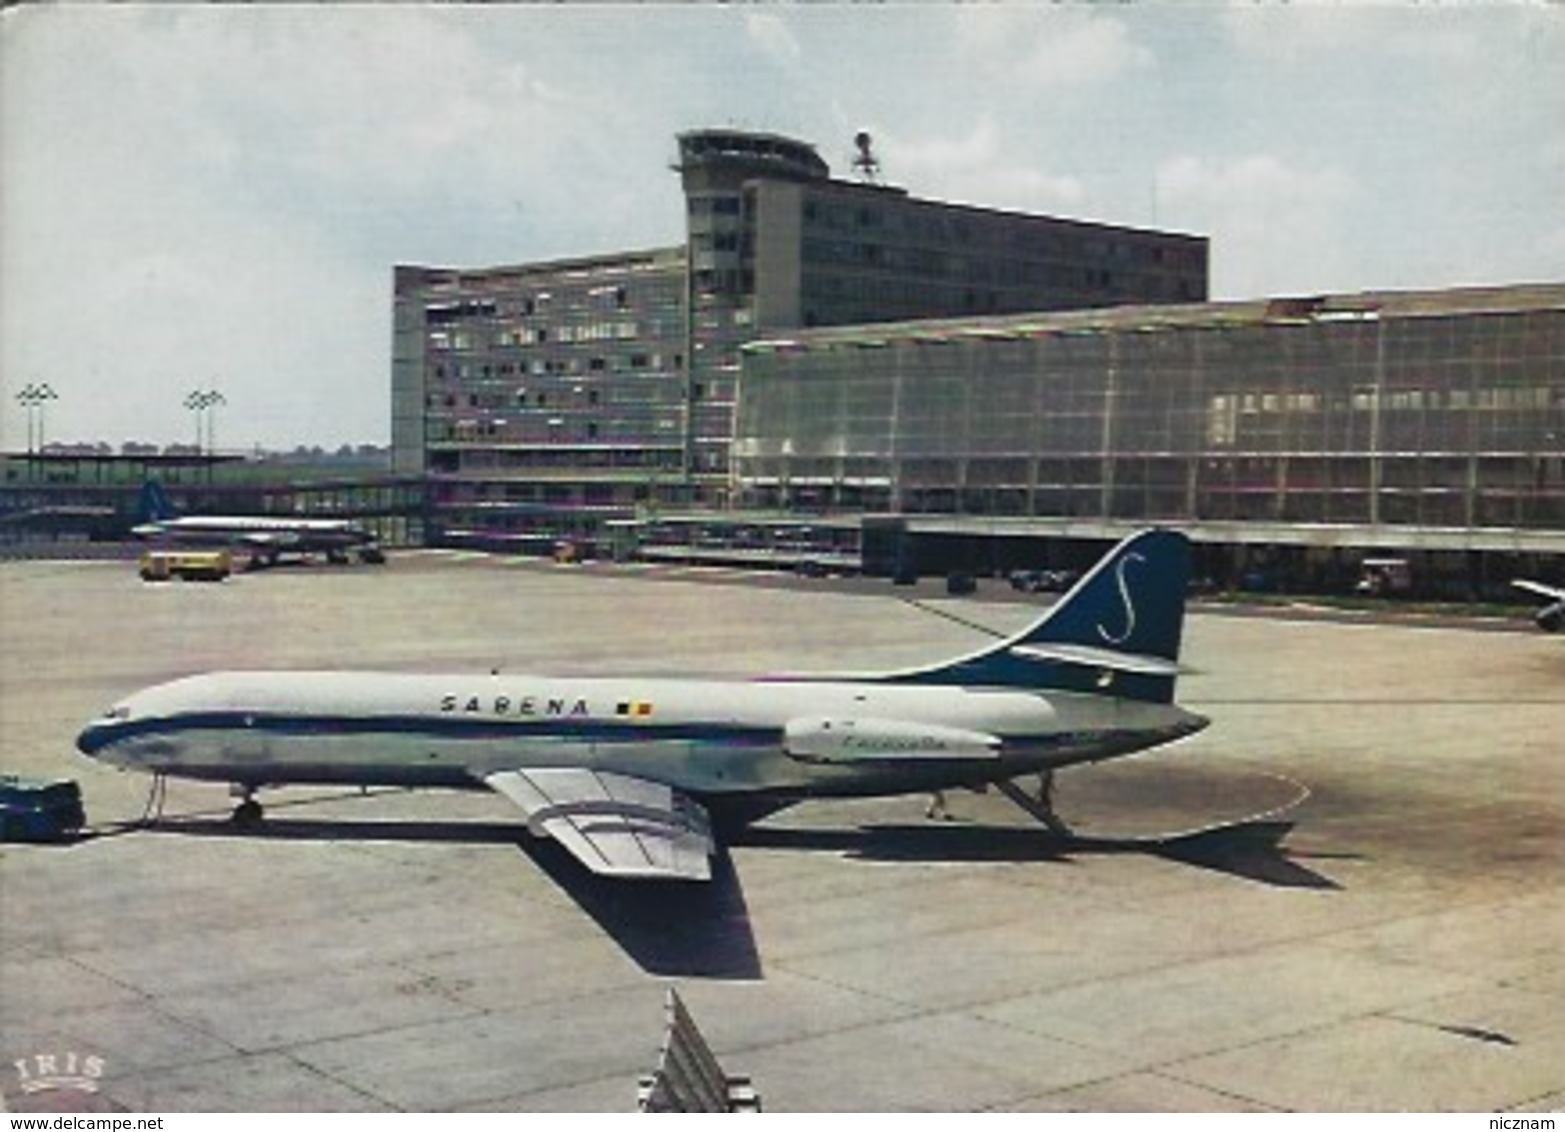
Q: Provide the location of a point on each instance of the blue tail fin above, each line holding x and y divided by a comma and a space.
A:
155, 506
1117, 632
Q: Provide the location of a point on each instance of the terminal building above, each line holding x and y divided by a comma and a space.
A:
546, 399
1312, 430
542, 400
837, 369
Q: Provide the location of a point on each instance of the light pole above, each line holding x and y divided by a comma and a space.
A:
33, 398
213, 400
205, 401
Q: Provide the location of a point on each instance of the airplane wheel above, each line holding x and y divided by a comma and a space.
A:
247, 814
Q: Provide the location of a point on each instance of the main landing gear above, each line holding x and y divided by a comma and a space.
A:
1041, 806
248, 813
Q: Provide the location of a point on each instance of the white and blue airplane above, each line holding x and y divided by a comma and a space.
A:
265, 537
629, 774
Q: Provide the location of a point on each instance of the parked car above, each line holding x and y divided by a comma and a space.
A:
34, 810
1043, 581
1384, 577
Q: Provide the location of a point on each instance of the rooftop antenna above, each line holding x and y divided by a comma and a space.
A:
866, 164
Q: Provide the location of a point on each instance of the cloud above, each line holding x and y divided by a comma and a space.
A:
981, 166
220, 200
394, 102
144, 322
1274, 227
1095, 51
772, 35
179, 196
1550, 254
1048, 48
1299, 35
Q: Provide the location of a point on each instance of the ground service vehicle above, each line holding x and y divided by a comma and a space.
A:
34, 810
189, 565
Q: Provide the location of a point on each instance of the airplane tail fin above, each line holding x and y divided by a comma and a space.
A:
155, 506
1116, 632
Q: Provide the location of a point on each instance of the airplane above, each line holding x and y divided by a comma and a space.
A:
633, 776
265, 537
1551, 618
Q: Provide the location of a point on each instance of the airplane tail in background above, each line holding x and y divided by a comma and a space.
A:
155, 506
1117, 632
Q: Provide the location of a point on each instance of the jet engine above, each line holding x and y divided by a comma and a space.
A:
826, 740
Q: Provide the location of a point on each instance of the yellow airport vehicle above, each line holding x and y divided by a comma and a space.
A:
187, 565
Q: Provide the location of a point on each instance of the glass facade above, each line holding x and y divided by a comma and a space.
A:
1435, 410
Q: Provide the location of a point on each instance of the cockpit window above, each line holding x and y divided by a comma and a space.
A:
118, 711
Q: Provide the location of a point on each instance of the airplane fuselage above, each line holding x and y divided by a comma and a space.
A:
709, 738
295, 534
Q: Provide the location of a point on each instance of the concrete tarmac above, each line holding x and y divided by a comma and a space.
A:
1346, 894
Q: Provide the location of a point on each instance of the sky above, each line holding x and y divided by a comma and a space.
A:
206, 197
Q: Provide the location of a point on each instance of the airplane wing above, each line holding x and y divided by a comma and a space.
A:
1538, 588
615, 825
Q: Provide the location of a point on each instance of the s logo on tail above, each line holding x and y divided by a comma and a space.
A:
1124, 596
1117, 632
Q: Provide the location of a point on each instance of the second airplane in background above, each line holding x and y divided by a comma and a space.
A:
264, 537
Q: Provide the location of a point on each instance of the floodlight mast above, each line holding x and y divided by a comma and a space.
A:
204, 403
33, 398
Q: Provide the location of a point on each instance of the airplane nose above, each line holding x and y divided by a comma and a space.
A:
102, 732
93, 738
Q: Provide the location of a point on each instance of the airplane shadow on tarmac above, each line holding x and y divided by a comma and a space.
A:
669, 928
1249, 850
703, 930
